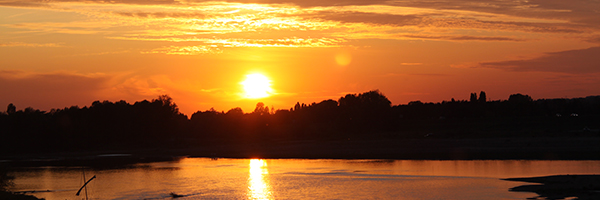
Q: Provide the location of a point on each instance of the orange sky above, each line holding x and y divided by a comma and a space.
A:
60, 53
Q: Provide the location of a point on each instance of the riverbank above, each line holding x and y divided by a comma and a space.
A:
583, 187
531, 148
13, 196
550, 148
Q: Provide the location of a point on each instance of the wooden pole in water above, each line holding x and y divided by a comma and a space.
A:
83, 171
79, 191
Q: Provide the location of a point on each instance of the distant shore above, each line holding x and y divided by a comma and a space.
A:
550, 148
529, 148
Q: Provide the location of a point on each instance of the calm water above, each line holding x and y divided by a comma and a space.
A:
203, 178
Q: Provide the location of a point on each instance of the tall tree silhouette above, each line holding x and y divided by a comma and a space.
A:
473, 98
482, 97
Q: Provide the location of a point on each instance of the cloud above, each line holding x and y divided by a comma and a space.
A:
573, 62
315, 3
44, 3
302, 3
364, 17
462, 38
243, 24
162, 14
66, 28
23, 44
25, 3
582, 12
577, 11
594, 39
216, 46
186, 50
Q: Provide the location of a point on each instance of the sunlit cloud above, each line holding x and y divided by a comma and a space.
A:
340, 21
214, 46
186, 50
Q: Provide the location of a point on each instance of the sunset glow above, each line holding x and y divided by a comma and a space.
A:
195, 51
256, 86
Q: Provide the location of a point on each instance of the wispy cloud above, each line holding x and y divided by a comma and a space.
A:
66, 28
186, 50
462, 38
23, 44
573, 61
213, 46
255, 23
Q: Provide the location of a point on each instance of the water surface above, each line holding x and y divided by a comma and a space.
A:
204, 178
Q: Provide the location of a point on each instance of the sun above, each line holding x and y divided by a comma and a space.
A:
256, 86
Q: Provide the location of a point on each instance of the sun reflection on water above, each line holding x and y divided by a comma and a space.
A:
258, 187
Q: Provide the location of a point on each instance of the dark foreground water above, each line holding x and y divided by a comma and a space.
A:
204, 178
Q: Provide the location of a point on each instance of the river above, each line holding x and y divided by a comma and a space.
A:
205, 178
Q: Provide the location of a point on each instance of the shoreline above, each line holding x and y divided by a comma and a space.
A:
548, 148
560, 186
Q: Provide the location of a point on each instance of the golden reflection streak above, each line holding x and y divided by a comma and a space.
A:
258, 187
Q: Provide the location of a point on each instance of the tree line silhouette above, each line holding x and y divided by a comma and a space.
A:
159, 124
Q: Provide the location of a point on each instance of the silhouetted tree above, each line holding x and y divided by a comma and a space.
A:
29, 110
370, 100
519, 98
11, 108
482, 97
260, 109
350, 100
235, 111
520, 105
156, 123
365, 111
297, 106
167, 102
473, 98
